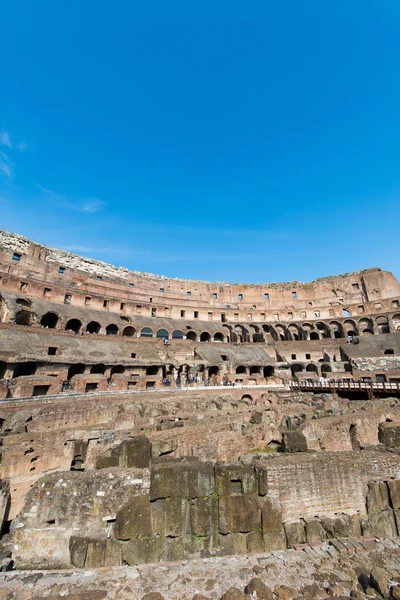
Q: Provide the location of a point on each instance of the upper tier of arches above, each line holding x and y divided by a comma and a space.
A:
61, 277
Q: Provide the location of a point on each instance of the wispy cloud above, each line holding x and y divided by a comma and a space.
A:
5, 165
5, 140
85, 205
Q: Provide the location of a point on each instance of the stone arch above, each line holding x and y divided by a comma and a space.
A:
366, 326
146, 332
117, 369
241, 370
255, 370
128, 331
177, 335
350, 327
23, 302
218, 337
396, 322
314, 335
49, 320
191, 335
162, 334
326, 369
312, 368
214, 370
93, 327
382, 324
73, 325
296, 368
76, 369
323, 328
336, 329
269, 371
112, 329
294, 332
205, 336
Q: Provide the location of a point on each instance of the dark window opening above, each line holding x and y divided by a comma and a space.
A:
61, 270
52, 350
40, 390
17, 256
49, 320
93, 327
91, 387
73, 325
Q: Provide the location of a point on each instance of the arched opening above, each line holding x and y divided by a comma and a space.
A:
213, 371
24, 369
269, 371
77, 369
162, 334
191, 335
93, 327
23, 302
368, 332
247, 397
117, 369
205, 337
382, 324
351, 333
314, 335
99, 369
152, 370
146, 332
23, 317
258, 338
312, 368
297, 369
73, 325
326, 369
218, 337
241, 370
49, 320
346, 312
128, 331
112, 329
255, 370
177, 335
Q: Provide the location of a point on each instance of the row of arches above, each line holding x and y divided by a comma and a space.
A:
237, 333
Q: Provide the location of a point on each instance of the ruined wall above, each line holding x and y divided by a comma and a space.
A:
191, 509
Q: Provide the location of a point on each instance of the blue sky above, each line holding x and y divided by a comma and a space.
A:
229, 141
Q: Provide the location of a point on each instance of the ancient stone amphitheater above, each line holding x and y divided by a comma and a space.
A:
178, 439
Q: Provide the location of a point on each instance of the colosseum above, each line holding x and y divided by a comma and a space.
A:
170, 438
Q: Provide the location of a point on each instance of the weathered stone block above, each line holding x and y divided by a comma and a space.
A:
204, 515
343, 526
394, 492
274, 541
105, 462
239, 514
255, 542
389, 435
233, 543
180, 548
144, 550
377, 497
314, 531
161, 447
177, 520
227, 478
136, 453
77, 550
112, 556
174, 480
295, 533
158, 516
381, 524
96, 552
294, 441
271, 517
134, 519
